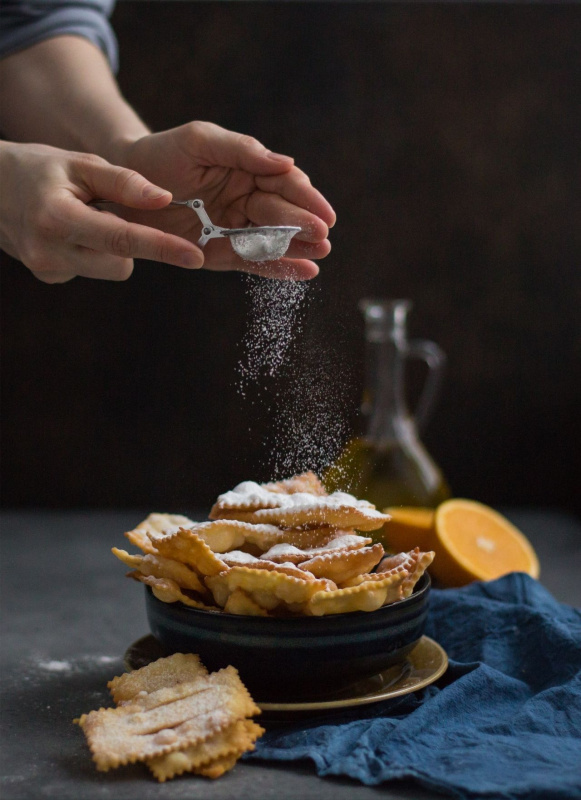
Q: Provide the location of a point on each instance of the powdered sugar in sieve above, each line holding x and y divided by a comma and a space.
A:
265, 243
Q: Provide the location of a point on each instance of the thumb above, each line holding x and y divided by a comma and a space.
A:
216, 146
120, 185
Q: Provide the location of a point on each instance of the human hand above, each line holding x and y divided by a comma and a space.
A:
240, 182
46, 224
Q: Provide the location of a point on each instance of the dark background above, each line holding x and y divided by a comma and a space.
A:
447, 139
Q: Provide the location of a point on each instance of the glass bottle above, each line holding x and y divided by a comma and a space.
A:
389, 465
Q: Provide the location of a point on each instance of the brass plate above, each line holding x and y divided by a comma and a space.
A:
425, 664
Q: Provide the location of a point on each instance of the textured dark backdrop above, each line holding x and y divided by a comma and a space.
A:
447, 139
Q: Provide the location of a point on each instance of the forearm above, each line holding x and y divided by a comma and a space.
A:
62, 92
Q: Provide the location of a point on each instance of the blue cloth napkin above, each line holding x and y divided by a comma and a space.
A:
503, 722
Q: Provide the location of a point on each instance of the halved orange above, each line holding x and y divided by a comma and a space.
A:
408, 527
471, 540
474, 542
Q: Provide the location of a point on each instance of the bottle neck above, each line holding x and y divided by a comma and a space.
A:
384, 403
384, 406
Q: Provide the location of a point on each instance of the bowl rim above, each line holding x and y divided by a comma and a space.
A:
421, 591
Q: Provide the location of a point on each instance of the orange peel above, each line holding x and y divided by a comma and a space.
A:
407, 528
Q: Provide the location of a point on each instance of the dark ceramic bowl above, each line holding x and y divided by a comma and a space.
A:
294, 657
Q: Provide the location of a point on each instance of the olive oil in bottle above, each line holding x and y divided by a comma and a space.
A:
389, 465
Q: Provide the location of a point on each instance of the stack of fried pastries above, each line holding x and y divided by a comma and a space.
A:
274, 549
176, 717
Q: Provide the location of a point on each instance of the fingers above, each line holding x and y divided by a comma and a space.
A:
213, 145
61, 262
58, 236
109, 182
295, 187
275, 174
299, 249
54, 277
285, 269
296, 265
90, 264
271, 209
101, 266
107, 233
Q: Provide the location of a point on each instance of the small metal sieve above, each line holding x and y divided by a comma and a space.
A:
265, 243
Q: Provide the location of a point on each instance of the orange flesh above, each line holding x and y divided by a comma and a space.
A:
484, 543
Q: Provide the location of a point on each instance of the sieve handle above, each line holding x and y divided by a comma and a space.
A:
209, 230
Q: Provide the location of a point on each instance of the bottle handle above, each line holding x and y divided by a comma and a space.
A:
435, 359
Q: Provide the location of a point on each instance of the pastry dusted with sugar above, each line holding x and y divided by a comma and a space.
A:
308, 483
176, 717
261, 503
274, 549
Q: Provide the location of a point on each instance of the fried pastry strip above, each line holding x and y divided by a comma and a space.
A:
215, 534
246, 496
267, 536
170, 671
367, 596
186, 546
159, 567
412, 565
167, 720
335, 515
209, 755
156, 524
295, 554
241, 603
306, 483
341, 565
220, 535
218, 767
267, 588
168, 591
404, 560
422, 562
239, 559
252, 502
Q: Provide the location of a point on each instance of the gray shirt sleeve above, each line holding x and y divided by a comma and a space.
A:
27, 22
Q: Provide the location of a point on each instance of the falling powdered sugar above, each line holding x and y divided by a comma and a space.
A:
311, 423
275, 319
298, 376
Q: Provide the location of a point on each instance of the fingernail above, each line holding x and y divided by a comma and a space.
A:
279, 157
152, 192
190, 259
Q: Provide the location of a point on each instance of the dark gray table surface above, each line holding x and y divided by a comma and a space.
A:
67, 617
